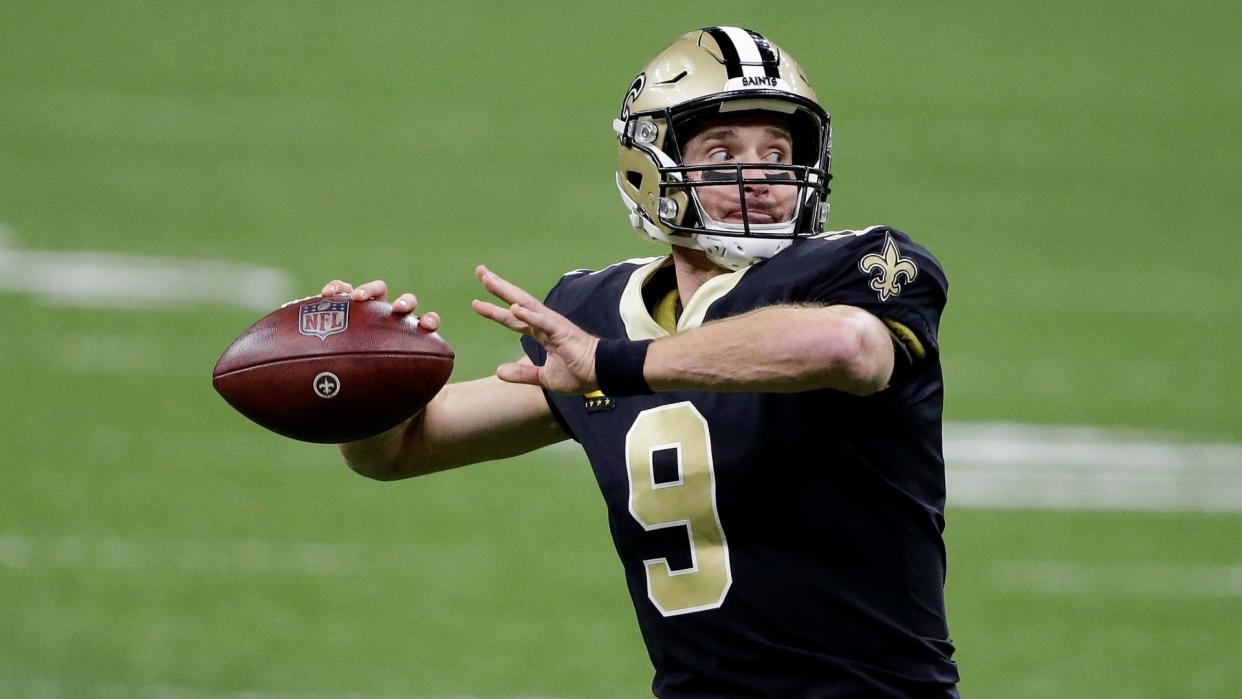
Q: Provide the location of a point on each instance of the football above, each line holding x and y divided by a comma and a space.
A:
332, 370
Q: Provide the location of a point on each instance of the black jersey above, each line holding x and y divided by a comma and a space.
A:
779, 545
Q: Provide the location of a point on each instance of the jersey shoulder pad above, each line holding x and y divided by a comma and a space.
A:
879, 269
888, 258
581, 285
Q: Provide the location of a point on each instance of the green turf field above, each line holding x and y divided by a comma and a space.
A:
1073, 165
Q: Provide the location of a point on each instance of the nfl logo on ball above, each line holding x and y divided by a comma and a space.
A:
323, 318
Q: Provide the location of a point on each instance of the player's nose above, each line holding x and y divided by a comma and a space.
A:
756, 178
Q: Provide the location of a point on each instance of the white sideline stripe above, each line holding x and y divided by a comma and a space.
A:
91, 279
1084, 468
1008, 465
184, 556
49, 688
1148, 580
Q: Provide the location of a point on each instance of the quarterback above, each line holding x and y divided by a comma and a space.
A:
761, 405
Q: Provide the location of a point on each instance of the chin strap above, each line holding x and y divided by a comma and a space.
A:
739, 253
732, 253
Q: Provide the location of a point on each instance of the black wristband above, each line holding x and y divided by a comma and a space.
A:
619, 367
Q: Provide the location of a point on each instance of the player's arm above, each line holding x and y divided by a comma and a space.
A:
775, 349
467, 422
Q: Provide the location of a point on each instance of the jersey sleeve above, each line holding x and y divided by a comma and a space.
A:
884, 272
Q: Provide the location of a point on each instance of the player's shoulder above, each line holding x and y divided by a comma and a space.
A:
873, 239
580, 285
870, 250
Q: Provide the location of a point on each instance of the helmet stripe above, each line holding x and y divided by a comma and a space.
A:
770, 59
747, 51
733, 64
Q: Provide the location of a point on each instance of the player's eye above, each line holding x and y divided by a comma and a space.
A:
775, 156
718, 156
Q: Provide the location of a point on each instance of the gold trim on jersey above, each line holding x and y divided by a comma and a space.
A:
639, 325
837, 235
665, 313
907, 337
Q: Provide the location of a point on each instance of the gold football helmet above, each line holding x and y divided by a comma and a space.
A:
714, 73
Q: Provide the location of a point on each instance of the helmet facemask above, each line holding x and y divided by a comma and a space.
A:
801, 185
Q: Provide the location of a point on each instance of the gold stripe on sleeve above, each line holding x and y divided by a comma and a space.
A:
907, 337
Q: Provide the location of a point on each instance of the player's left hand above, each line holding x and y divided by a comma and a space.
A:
570, 366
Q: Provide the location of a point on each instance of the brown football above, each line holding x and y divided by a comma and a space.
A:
332, 370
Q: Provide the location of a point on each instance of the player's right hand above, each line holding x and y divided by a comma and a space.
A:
378, 289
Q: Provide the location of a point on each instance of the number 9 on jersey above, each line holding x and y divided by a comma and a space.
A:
688, 501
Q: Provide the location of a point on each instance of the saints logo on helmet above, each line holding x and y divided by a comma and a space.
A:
716, 73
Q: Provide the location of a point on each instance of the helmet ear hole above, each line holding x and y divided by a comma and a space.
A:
634, 178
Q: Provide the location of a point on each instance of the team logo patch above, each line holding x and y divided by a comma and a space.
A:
888, 269
326, 384
324, 318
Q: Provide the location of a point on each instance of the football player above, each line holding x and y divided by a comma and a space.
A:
761, 405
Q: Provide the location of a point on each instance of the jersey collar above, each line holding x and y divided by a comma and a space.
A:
639, 325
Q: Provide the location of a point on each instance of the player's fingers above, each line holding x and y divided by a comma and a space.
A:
377, 289
501, 315
550, 326
489, 310
505, 290
405, 303
336, 286
429, 321
530, 316
532, 320
512, 372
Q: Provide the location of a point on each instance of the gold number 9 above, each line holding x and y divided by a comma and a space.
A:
688, 501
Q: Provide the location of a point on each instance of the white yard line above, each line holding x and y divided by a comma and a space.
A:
113, 280
1086, 468
1147, 580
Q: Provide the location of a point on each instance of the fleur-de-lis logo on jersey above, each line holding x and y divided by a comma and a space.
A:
888, 267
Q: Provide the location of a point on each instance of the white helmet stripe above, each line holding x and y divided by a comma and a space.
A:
747, 51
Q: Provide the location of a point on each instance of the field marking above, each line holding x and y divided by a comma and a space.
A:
1148, 580
1005, 465
114, 280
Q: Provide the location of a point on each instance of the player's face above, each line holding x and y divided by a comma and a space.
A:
752, 140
